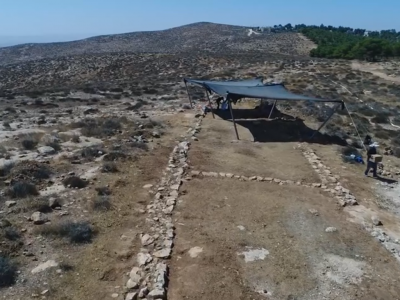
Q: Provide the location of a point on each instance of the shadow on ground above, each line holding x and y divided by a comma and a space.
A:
281, 128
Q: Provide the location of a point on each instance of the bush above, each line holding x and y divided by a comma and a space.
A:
22, 189
75, 182
109, 167
10, 109
8, 272
34, 204
99, 127
103, 191
114, 155
11, 234
29, 144
101, 203
380, 119
80, 232
139, 145
92, 152
6, 168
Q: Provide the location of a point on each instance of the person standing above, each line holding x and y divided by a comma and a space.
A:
370, 163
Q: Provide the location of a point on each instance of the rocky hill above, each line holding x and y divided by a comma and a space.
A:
195, 37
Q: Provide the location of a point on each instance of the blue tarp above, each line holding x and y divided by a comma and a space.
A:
253, 88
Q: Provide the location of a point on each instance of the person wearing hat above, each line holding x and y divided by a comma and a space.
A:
371, 164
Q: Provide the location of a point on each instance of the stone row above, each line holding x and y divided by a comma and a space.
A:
195, 173
345, 197
149, 278
330, 181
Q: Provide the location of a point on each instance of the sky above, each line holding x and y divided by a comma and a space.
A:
62, 20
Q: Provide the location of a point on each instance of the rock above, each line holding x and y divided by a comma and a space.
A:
143, 292
148, 186
114, 295
253, 178
131, 296
330, 229
10, 203
276, 180
46, 150
195, 251
131, 284
175, 187
156, 134
147, 239
195, 173
163, 253
39, 218
158, 293
316, 184
376, 221
134, 274
229, 175
44, 266
313, 211
53, 202
143, 259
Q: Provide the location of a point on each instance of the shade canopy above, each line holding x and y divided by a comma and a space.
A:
253, 88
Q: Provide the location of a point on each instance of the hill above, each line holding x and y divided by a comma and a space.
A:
195, 37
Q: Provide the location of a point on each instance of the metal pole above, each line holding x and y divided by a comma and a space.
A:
190, 99
326, 121
233, 119
209, 103
272, 109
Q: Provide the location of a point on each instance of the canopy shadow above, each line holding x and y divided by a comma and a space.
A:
280, 128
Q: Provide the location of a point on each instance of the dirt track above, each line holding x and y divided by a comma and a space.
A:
222, 222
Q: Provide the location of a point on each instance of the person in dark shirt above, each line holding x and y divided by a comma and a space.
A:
218, 100
371, 164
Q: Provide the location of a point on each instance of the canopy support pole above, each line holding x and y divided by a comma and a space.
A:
233, 118
355, 127
272, 109
190, 98
209, 103
326, 121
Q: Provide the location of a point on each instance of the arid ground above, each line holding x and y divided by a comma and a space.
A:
113, 187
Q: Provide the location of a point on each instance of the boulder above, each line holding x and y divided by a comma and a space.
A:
46, 150
39, 218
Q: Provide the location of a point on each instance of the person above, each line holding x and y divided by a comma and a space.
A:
367, 140
371, 164
218, 100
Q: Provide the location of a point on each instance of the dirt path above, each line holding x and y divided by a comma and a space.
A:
374, 69
238, 238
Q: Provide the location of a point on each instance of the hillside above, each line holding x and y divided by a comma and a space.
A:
193, 37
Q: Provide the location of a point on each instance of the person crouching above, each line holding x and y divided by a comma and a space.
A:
370, 163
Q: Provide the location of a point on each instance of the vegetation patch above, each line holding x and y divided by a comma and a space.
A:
79, 232
8, 272
22, 189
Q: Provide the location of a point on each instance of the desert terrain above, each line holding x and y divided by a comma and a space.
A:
113, 187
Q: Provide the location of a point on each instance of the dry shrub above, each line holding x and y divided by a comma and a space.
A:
109, 167
101, 203
79, 232
22, 189
74, 182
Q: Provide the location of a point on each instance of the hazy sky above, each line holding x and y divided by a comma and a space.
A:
54, 20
